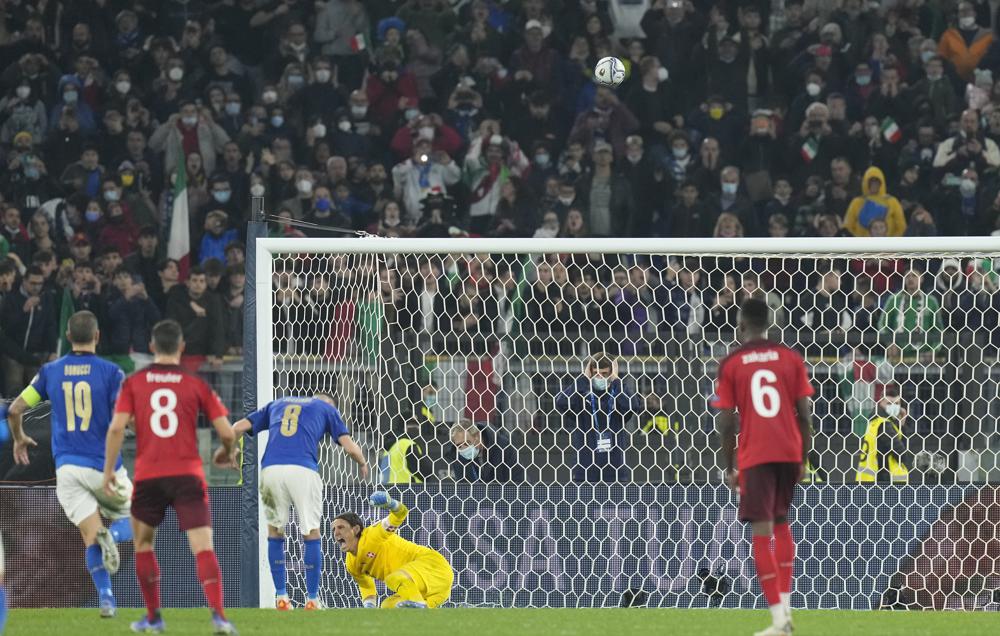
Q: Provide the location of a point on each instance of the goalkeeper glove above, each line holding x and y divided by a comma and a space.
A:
381, 499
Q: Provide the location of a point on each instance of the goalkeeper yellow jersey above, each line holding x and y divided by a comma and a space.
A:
381, 552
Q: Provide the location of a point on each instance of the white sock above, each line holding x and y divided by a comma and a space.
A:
778, 616
786, 602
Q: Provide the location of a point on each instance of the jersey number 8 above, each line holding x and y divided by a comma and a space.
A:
290, 420
164, 419
766, 399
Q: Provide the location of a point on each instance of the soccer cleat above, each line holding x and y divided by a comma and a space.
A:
314, 604
282, 604
221, 626
109, 550
145, 626
411, 605
775, 630
108, 606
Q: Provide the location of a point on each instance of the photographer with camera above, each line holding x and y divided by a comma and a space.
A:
425, 171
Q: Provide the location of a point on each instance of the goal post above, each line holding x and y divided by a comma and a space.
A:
454, 343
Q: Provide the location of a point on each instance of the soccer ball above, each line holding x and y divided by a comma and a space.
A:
609, 71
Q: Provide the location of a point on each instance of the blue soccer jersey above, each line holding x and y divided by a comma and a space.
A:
296, 426
82, 389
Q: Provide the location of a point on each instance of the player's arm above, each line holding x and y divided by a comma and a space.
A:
15, 419
112, 447
397, 511
726, 423
366, 588
803, 408
225, 456
354, 452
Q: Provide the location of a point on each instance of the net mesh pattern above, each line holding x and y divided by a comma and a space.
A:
426, 354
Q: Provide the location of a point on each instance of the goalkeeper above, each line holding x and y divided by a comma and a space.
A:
418, 576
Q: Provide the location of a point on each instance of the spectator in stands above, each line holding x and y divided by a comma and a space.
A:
200, 314
911, 318
421, 174
681, 300
597, 407
129, 315
189, 131
28, 320
217, 236
605, 196
968, 148
478, 454
965, 43
949, 287
490, 162
875, 204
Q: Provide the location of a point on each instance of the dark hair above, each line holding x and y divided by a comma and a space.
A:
755, 314
43, 256
167, 337
7, 266
162, 265
352, 520
213, 267
601, 361
83, 265
82, 328
149, 230
34, 270
197, 270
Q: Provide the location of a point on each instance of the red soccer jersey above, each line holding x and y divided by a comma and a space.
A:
762, 381
165, 402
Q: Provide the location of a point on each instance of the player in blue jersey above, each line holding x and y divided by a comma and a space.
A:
289, 476
82, 389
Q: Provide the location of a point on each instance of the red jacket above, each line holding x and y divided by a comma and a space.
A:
383, 99
445, 138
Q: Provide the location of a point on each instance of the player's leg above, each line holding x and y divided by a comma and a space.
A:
406, 588
758, 485
307, 497
275, 501
149, 504
434, 576
117, 508
784, 543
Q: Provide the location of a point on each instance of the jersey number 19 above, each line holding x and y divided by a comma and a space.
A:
78, 405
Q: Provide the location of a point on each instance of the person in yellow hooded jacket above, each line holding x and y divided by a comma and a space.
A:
874, 204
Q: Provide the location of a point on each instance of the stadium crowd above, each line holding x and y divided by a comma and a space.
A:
479, 118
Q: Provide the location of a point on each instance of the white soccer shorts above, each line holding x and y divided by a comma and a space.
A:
79, 491
287, 485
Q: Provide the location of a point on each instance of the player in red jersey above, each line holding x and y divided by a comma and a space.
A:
163, 402
767, 384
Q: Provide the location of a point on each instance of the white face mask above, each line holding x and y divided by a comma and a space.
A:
813, 89
599, 384
23, 92
662, 74
123, 86
344, 126
176, 74
269, 97
469, 453
319, 130
323, 75
359, 111
305, 186
892, 410
967, 187
967, 22
257, 189
426, 132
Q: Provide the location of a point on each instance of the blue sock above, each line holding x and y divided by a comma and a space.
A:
314, 566
121, 530
3, 608
95, 565
276, 557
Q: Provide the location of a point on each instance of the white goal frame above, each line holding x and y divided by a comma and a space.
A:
266, 249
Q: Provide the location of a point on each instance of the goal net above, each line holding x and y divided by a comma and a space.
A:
432, 348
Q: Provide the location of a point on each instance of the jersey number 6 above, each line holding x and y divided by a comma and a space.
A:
766, 399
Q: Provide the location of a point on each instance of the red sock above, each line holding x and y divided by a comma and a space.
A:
784, 554
767, 569
147, 570
211, 580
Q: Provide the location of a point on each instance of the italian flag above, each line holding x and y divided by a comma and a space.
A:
66, 309
359, 43
810, 149
891, 131
179, 241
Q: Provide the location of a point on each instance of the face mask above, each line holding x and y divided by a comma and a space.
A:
277, 121
729, 188
123, 86
269, 97
426, 132
92, 215
967, 187
967, 22
319, 130
599, 384
23, 92
542, 159
934, 76
566, 200
297, 47
633, 157
662, 74
863, 80
111, 195
871, 131
359, 111
233, 108
296, 80
469, 453
322, 204
925, 56
70, 97
257, 189
323, 75
344, 126
410, 113
222, 196
892, 410
813, 89
189, 121
305, 186
31, 172
430, 400
679, 153
127, 179
716, 112
175, 74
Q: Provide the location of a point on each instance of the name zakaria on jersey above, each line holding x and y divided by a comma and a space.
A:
296, 426
763, 380
82, 389
165, 402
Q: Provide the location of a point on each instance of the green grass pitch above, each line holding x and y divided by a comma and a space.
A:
514, 622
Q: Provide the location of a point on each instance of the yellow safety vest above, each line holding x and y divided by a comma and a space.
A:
399, 470
868, 460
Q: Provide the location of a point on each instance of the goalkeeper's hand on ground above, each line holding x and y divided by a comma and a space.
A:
381, 499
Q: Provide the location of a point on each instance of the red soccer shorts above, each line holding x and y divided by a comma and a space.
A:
766, 491
187, 494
